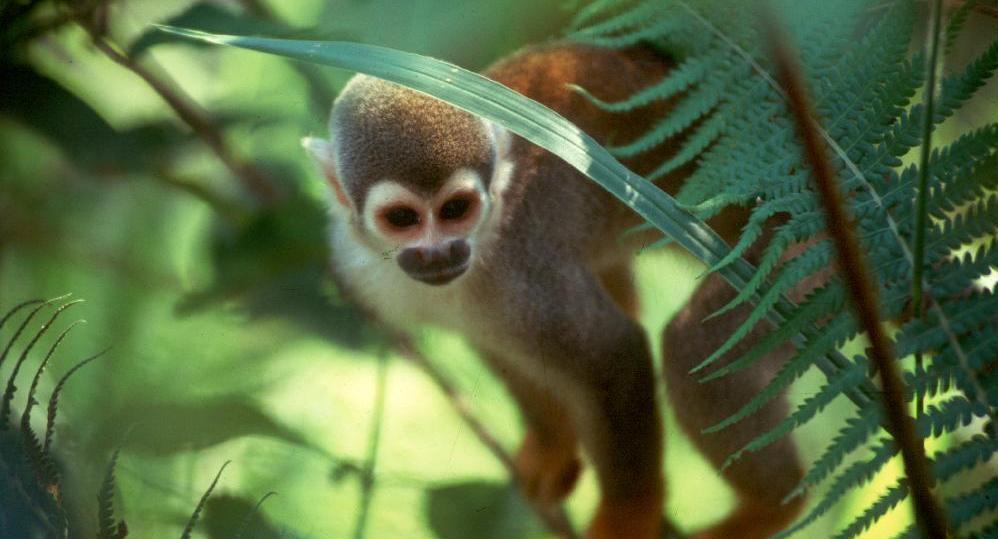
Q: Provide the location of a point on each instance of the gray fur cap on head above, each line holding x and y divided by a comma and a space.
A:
383, 131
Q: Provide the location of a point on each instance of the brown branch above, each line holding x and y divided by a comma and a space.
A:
553, 517
862, 293
254, 180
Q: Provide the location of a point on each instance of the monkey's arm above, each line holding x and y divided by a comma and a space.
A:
571, 339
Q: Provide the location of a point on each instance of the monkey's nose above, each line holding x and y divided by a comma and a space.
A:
459, 251
437, 264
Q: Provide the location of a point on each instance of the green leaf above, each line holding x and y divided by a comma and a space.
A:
165, 427
213, 17
275, 265
479, 509
225, 516
84, 137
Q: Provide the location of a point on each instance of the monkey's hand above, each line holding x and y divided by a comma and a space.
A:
547, 471
636, 518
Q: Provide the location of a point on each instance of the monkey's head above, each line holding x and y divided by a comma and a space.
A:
415, 177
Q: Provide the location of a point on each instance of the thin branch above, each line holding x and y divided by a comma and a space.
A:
554, 518
198, 188
922, 197
256, 182
367, 477
863, 295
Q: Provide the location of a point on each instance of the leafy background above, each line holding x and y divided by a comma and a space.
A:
229, 343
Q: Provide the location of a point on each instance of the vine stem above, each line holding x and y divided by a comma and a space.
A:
554, 518
921, 200
859, 285
367, 477
255, 181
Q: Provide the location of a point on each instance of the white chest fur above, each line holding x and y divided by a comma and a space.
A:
376, 280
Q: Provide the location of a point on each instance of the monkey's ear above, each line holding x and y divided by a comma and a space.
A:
502, 139
322, 153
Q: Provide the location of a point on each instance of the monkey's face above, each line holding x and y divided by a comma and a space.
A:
415, 177
431, 238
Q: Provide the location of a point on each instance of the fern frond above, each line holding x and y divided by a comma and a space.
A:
863, 75
53, 407
858, 65
857, 430
15, 309
688, 110
598, 9
790, 371
677, 81
957, 89
964, 171
638, 35
965, 507
845, 380
24, 323
40, 460
957, 19
857, 474
978, 222
8, 394
107, 524
819, 304
33, 389
894, 495
963, 315
948, 416
945, 368
957, 275
640, 15
969, 454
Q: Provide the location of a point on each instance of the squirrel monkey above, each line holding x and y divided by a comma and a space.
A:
442, 218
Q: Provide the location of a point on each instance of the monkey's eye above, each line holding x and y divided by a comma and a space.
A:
402, 217
455, 208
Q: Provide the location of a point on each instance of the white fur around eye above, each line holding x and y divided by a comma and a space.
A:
383, 193
463, 179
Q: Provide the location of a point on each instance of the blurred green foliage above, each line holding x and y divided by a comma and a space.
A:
228, 339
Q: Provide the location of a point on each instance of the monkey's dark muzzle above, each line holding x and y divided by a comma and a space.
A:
436, 265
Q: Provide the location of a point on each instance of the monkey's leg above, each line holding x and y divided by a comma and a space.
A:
760, 480
548, 462
618, 281
601, 360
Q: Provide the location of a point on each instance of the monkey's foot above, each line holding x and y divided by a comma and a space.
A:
640, 518
547, 473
